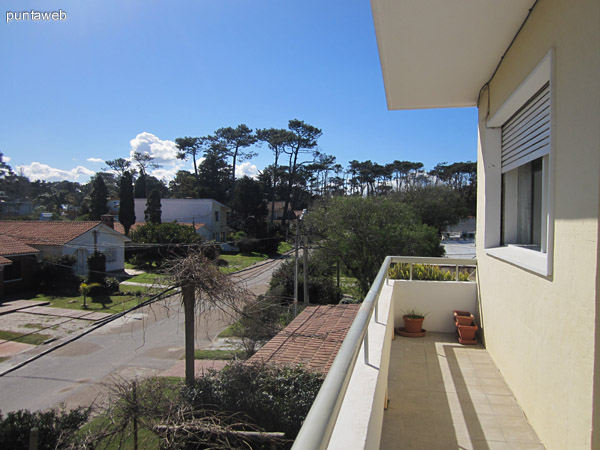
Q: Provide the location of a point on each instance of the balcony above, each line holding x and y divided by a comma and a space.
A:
439, 394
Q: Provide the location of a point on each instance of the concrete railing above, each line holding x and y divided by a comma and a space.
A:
348, 411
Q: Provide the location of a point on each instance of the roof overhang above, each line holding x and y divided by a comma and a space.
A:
439, 53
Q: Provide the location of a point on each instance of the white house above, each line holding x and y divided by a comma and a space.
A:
210, 214
80, 239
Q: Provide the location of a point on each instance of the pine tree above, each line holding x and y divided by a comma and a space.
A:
99, 198
127, 204
153, 210
140, 186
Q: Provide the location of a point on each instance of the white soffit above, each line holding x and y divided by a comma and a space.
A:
439, 53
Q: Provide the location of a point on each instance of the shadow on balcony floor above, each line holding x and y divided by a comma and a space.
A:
443, 395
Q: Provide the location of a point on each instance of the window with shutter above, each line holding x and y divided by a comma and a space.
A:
519, 222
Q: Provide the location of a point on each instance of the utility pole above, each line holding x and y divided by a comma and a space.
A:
188, 305
296, 269
305, 269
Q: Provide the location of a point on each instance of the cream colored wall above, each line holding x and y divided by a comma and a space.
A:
438, 299
360, 420
539, 330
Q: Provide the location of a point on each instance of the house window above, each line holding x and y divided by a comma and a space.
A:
110, 254
12, 272
216, 216
519, 157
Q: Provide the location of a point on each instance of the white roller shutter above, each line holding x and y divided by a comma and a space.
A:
526, 135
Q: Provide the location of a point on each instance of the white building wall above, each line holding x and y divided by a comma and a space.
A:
541, 330
183, 210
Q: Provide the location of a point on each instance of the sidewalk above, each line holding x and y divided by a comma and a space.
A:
17, 305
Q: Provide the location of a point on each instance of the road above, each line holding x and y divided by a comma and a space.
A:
142, 343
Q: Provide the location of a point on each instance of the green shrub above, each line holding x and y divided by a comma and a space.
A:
92, 289
55, 428
275, 398
112, 285
170, 240
96, 268
321, 285
427, 272
55, 273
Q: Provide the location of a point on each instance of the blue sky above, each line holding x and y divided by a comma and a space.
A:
122, 75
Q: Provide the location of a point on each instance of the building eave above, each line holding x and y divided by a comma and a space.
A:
439, 53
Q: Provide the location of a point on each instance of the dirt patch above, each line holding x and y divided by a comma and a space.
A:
56, 327
8, 348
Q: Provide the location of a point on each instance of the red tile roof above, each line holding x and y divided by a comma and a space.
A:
45, 233
4, 261
11, 247
311, 339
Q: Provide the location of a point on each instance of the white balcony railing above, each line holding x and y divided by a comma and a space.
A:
348, 411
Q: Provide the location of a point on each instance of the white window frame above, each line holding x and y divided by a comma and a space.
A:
537, 261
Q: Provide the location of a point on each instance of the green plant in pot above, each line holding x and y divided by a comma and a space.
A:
413, 320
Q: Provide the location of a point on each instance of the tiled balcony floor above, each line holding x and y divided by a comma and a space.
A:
443, 395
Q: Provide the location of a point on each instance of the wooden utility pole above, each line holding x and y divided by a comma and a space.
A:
188, 307
305, 269
296, 269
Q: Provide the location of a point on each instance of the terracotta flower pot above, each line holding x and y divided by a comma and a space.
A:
463, 317
413, 325
467, 332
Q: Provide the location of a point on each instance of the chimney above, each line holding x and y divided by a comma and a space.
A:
108, 220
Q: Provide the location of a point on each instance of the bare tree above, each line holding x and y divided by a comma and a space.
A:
200, 279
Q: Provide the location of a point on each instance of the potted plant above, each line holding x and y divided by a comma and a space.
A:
413, 323
463, 317
466, 327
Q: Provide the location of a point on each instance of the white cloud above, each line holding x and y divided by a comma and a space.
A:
246, 169
163, 151
39, 171
96, 160
5, 158
168, 172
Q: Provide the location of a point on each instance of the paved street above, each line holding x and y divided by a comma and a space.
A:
143, 343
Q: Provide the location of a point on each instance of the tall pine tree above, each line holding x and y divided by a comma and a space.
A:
153, 210
127, 204
99, 198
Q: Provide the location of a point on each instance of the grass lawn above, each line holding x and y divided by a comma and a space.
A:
146, 438
148, 278
106, 304
284, 247
231, 331
241, 261
218, 354
32, 339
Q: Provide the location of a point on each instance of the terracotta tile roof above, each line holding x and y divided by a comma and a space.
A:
311, 339
10, 246
121, 229
4, 261
45, 233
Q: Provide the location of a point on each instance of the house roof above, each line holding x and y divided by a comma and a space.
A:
439, 53
45, 233
311, 339
10, 246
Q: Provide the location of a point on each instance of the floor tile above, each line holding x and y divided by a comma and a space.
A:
447, 396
